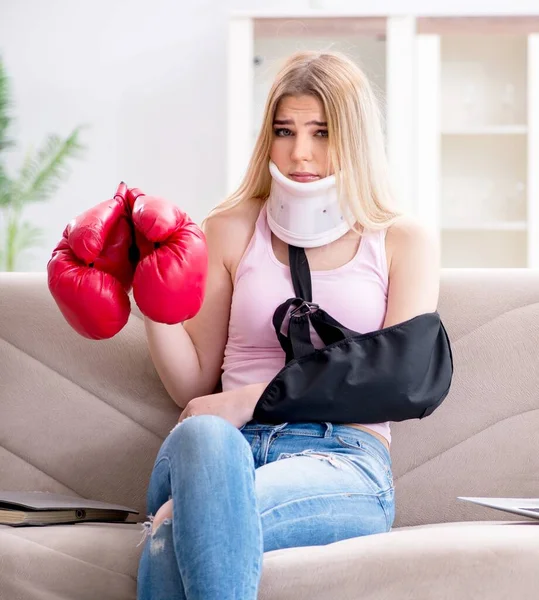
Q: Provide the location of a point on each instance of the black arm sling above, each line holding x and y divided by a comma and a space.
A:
392, 374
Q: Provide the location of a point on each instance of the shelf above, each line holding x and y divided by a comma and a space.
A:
479, 25
484, 249
435, 20
488, 130
307, 13
296, 27
488, 226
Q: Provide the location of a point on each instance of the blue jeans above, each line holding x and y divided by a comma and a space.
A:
238, 493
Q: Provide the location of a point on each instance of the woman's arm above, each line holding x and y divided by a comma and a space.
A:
414, 273
188, 356
236, 406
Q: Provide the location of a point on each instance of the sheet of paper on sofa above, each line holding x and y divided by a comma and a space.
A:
527, 507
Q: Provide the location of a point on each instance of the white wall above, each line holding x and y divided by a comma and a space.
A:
149, 80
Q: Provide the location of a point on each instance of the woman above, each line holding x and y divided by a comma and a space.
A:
226, 488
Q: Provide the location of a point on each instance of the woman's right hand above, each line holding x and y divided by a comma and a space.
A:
170, 278
235, 406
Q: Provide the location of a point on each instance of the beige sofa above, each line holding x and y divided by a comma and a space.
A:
87, 418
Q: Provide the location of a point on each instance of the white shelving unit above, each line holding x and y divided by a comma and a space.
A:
461, 101
477, 135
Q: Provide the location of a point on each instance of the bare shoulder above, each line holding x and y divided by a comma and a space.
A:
409, 238
231, 230
414, 271
407, 228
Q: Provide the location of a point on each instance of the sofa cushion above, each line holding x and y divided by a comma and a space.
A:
466, 560
83, 561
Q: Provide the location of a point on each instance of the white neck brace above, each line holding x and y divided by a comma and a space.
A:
306, 215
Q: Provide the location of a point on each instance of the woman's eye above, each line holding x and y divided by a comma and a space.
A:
282, 132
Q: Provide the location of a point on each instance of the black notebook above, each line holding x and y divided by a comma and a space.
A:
45, 508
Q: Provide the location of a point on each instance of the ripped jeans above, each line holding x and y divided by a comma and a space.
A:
239, 493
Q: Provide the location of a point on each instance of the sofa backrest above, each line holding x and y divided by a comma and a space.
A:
482, 441
88, 417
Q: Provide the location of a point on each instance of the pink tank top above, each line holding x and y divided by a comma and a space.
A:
355, 294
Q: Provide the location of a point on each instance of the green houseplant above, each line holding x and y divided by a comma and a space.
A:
41, 173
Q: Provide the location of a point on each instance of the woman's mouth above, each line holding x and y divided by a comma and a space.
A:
303, 177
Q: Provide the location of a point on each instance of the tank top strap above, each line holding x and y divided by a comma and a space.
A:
372, 252
256, 248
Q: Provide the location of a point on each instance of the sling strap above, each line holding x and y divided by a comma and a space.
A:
303, 311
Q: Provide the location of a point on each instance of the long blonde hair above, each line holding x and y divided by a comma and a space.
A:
356, 140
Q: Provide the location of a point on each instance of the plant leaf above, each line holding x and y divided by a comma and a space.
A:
5, 104
5, 188
20, 237
11, 235
28, 236
43, 171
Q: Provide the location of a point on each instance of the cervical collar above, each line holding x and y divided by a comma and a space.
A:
306, 215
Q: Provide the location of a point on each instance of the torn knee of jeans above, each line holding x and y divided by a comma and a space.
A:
183, 421
157, 544
146, 529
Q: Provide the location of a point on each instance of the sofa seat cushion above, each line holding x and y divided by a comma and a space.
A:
490, 560
83, 561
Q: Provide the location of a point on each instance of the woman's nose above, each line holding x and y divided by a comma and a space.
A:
302, 150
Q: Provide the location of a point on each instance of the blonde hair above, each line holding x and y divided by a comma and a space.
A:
356, 141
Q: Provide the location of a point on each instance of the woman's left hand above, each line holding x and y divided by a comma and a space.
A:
236, 406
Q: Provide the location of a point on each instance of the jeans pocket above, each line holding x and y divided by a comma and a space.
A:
363, 448
387, 502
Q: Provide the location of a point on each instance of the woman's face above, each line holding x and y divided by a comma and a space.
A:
300, 139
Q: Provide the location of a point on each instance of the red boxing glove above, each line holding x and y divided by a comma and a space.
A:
91, 270
170, 278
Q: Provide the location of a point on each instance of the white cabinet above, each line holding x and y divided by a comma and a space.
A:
461, 101
478, 139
